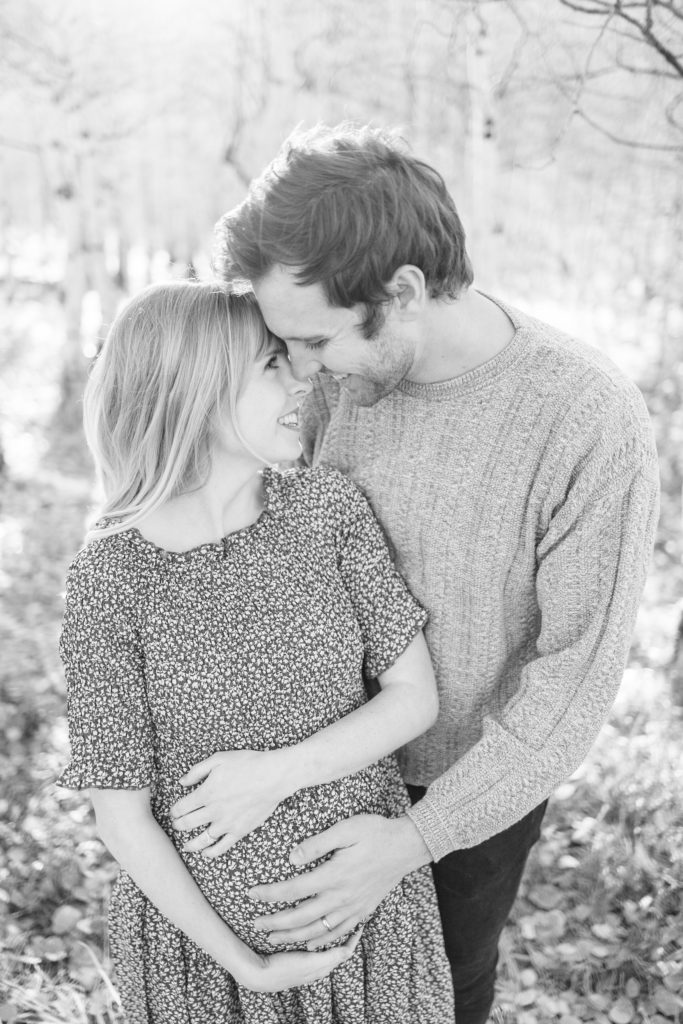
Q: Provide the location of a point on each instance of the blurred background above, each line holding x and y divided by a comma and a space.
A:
126, 129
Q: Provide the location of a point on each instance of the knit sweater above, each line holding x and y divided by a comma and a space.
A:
520, 500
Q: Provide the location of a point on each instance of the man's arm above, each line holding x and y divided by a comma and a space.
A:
592, 562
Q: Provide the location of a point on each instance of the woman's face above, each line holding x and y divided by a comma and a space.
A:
267, 409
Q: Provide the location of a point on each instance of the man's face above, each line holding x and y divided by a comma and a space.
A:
321, 338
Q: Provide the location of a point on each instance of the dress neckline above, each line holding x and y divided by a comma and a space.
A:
271, 478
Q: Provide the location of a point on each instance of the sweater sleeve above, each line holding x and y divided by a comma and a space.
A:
591, 565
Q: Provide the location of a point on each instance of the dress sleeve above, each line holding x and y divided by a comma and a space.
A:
110, 726
388, 614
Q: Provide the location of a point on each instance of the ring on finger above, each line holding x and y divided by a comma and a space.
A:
326, 923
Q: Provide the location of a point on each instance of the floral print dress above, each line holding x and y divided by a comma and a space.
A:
255, 642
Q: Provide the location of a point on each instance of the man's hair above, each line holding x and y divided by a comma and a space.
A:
346, 206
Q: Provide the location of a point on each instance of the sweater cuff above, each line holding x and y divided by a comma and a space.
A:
431, 826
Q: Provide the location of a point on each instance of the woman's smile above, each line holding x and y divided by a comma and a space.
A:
290, 420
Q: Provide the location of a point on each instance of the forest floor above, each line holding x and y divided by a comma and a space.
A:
597, 933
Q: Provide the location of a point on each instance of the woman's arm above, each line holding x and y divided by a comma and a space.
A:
241, 788
130, 832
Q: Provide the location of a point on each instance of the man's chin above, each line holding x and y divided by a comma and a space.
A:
365, 392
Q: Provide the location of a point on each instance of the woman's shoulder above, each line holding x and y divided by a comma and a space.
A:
321, 499
105, 564
320, 486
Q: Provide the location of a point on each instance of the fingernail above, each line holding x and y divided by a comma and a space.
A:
295, 856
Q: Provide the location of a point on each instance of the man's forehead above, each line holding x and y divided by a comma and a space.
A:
297, 312
280, 285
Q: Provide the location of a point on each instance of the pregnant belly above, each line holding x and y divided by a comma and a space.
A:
263, 855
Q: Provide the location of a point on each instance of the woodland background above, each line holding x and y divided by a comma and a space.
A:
126, 129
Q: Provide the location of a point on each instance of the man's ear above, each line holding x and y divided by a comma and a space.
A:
409, 288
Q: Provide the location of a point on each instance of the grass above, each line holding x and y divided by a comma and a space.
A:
597, 934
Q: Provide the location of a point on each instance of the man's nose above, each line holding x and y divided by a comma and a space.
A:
303, 366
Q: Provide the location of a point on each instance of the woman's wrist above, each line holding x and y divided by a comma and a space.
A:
291, 769
239, 960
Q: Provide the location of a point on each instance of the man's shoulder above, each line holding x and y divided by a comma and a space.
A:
587, 395
560, 358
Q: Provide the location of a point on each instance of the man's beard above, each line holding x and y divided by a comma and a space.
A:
365, 392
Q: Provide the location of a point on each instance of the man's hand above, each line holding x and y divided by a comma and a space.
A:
370, 855
241, 788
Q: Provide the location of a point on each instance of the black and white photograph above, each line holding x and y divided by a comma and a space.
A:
341, 512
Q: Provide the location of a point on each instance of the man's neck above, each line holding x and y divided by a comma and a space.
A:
460, 335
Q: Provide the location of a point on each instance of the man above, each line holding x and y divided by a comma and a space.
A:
514, 472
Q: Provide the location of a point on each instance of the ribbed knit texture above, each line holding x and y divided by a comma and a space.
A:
521, 501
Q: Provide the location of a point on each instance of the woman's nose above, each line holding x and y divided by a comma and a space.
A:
301, 387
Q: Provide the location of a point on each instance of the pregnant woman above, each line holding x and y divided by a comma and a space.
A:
221, 605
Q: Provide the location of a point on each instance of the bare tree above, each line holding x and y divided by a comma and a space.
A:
644, 40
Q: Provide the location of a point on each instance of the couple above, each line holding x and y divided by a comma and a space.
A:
221, 620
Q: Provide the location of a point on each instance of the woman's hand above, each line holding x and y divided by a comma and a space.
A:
241, 788
280, 971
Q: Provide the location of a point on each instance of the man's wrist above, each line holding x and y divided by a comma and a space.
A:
411, 847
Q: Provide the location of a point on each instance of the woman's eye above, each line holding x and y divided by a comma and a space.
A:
272, 363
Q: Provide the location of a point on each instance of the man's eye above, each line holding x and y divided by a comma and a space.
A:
312, 345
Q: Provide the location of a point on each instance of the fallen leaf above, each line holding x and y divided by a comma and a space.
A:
674, 981
632, 988
667, 1002
550, 925
568, 951
65, 918
582, 911
527, 997
552, 1006
54, 948
622, 1012
545, 897
568, 861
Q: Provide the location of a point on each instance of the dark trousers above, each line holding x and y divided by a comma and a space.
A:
476, 889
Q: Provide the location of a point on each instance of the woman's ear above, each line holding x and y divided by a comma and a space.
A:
409, 288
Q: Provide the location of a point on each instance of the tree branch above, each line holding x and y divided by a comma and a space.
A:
31, 147
631, 143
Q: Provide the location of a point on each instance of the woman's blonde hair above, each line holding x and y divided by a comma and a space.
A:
175, 356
